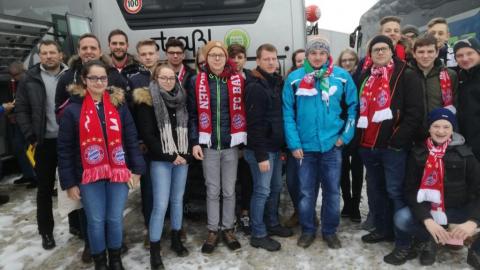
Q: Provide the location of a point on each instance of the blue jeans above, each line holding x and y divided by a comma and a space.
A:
324, 168
386, 176
406, 222
104, 203
266, 192
168, 185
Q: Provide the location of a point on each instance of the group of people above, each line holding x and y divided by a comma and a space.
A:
112, 122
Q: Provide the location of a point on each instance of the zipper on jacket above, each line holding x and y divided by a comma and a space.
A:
218, 114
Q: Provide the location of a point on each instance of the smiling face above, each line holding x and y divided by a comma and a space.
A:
89, 49
348, 62
392, 30
440, 131
467, 58
425, 56
216, 60
118, 46
166, 78
299, 59
381, 54
96, 81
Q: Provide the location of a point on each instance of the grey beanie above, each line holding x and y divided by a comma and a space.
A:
317, 43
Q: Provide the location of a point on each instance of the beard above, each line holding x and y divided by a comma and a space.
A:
119, 57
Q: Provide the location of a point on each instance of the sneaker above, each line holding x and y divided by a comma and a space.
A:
230, 239
373, 237
428, 253
292, 221
279, 231
266, 243
47, 241
332, 241
244, 224
305, 240
473, 259
4, 199
211, 242
400, 256
369, 223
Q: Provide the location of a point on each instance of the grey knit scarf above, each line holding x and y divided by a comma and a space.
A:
175, 99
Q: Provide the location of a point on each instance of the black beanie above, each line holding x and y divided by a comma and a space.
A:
380, 39
467, 43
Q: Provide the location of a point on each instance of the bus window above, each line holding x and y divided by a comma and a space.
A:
184, 13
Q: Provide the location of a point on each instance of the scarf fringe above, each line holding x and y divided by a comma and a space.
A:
306, 92
451, 108
168, 143
96, 173
120, 175
182, 140
238, 138
428, 195
382, 115
439, 216
205, 138
362, 122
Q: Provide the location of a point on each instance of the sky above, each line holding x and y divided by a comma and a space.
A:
335, 16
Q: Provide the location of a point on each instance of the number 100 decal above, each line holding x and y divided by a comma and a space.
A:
132, 6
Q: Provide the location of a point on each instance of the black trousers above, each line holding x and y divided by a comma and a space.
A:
351, 190
244, 175
45, 167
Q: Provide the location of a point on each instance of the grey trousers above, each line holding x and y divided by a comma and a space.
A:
220, 172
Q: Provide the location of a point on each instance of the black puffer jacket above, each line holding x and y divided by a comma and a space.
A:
468, 109
263, 102
220, 108
461, 182
30, 104
406, 105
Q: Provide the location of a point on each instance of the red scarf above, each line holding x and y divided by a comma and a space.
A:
181, 74
98, 160
307, 85
238, 125
446, 87
431, 187
375, 95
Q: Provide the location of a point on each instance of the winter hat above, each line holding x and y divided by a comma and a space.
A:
215, 43
317, 43
380, 39
467, 43
442, 113
410, 29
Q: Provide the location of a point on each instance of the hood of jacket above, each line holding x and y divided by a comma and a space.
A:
117, 96
142, 96
75, 62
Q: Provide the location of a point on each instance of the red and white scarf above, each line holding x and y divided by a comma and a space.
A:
181, 74
101, 159
431, 187
238, 124
375, 95
447, 92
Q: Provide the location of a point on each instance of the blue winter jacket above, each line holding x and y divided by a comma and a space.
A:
309, 123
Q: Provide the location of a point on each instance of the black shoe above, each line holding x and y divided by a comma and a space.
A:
355, 215
100, 261
177, 244
428, 253
211, 242
155, 257
400, 256
32, 185
47, 241
4, 199
473, 259
332, 241
74, 231
115, 259
373, 237
22, 181
230, 239
244, 224
305, 240
266, 243
124, 248
279, 230
86, 256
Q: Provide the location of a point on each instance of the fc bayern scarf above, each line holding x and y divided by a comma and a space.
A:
375, 95
447, 93
101, 159
238, 125
307, 85
431, 187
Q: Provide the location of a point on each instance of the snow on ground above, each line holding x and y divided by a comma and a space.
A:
20, 245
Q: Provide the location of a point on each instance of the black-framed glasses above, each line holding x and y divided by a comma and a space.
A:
97, 78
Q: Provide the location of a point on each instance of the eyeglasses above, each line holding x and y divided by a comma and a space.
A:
166, 79
215, 55
96, 79
174, 53
380, 50
348, 60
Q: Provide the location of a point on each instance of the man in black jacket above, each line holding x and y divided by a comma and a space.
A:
467, 54
263, 101
35, 115
175, 50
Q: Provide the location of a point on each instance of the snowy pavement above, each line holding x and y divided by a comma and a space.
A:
20, 245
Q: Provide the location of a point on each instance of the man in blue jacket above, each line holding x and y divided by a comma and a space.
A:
315, 99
